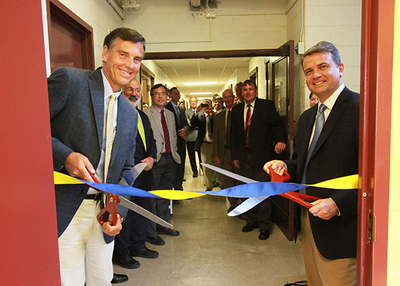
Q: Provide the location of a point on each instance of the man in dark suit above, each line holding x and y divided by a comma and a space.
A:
192, 136
82, 104
327, 148
182, 127
256, 128
131, 240
204, 120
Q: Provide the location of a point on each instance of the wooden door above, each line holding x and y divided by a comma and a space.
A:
71, 39
282, 93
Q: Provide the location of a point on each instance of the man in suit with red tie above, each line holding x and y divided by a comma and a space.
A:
256, 126
163, 124
327, 148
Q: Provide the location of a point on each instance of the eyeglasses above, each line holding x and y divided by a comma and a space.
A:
160, 94
136, 90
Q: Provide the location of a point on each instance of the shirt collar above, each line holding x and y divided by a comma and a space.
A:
253, 103
330, 102
173, 104
158, 109
107, 88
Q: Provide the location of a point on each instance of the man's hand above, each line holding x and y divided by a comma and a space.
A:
199, 108
279, 147
324, 209
217, 161
276, 165
182, 132
236, 163
112, 230
149, 162
78, 166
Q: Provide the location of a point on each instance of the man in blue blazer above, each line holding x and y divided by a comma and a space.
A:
78, 102
329, 228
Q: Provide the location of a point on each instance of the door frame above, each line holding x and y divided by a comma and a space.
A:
375, 133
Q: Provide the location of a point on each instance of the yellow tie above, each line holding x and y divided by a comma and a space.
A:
141, 132
109, 133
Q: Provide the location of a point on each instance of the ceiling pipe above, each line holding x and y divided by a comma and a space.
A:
117, 9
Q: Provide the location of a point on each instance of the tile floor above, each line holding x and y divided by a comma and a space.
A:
212, 250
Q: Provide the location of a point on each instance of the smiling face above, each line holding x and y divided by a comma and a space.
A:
323, 76
193, 102
228, 97
159, 97
121, 63
133, 92
249, 92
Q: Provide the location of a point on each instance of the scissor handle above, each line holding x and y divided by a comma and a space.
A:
275, 177
296, 198
111, 205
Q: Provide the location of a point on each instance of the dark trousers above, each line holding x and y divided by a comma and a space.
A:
260, 214
134, 230
180, 168
192, 156
164, 173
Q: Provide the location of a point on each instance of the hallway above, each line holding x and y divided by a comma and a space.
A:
212, 249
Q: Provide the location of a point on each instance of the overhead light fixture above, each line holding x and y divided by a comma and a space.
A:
200, 83
201, 93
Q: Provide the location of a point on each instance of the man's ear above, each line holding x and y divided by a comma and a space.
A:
105, 53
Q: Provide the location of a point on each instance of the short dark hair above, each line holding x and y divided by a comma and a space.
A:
125, 34
250, 82
157, 86
323, 47
172, 88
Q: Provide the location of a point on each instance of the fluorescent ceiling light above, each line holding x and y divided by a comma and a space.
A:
201, 93
200, 83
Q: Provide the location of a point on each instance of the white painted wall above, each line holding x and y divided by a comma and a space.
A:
171, 26
339, 22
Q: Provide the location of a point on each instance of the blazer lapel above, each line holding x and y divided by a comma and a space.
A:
97, 96
156, 119
334, 116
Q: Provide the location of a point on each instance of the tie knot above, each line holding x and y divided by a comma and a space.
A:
162, 111
322, 108
248, 106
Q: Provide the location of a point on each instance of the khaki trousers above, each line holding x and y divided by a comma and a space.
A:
320, 270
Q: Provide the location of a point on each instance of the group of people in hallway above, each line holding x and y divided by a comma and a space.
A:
97, 129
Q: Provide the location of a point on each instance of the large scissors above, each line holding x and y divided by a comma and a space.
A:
112, 202
253, 201
301, 199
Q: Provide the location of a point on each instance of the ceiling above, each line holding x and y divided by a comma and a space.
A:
218, 70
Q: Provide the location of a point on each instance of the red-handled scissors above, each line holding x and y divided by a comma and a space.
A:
110, 207
299, 198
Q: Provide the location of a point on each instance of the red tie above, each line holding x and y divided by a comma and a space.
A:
248, 122
166, 133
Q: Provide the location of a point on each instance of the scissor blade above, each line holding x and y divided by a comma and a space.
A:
230, 174
247, 204
138, 209
131, 176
